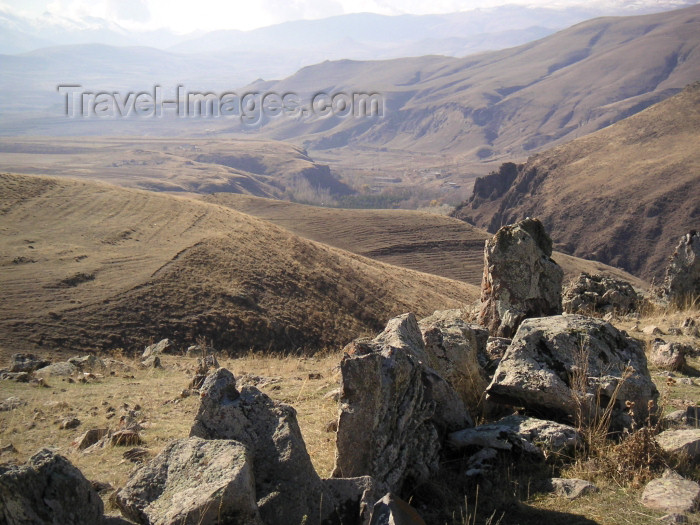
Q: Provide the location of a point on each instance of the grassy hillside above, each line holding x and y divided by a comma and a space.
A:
256, 167
420, 241
88, 266
623, 195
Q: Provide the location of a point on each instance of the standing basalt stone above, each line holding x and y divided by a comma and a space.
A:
682, 282
47, 490
287, 487
520, 278
394, 410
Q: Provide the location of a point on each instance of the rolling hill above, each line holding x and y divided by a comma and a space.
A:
416, 240
89, 266
255, 167
623, 195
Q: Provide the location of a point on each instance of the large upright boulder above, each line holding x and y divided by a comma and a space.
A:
193, 482
287, 487
453, 347
682, 281
570, 367
47, 490
520, 278
394, 409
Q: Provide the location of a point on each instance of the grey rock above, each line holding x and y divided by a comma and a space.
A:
453, 346
692, 415
684, 442
19, 377
570, 488
481, 462
62, 368
152, 361
674, 419
392, 510
47, 490
114, 365
561, 366
493, 353
287, 487
204, 364
682, 280
69, 423
393, 408
193, 481
88, 363
11, 403
590, 294
668, 356
89, 438
671, 493
27, 363
520, 278
513, 430
163, 346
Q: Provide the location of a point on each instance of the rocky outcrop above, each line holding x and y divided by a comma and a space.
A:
672, 493
394, 409
590, 294
88, 363
191, 482
204, 365
668, 356
682, 280
571, 367
164, 346
570, 488
519, 434
287, 487
520, 278
47, 490
684, 442
27, 363
453, 347
62, 368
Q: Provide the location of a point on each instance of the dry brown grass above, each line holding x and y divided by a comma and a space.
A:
163, 413
166, 266
420, 241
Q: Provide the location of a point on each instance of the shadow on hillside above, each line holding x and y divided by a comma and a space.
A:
691, 371
523, 514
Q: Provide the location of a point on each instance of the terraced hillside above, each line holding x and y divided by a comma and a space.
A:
89, 266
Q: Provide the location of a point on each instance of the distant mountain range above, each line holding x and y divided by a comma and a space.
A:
510, 103
357, 36
488, 107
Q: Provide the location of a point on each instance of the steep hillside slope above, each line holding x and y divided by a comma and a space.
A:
88, 266
510, 102
420, 241
623, 195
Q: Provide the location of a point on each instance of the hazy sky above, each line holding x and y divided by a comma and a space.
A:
248, 14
